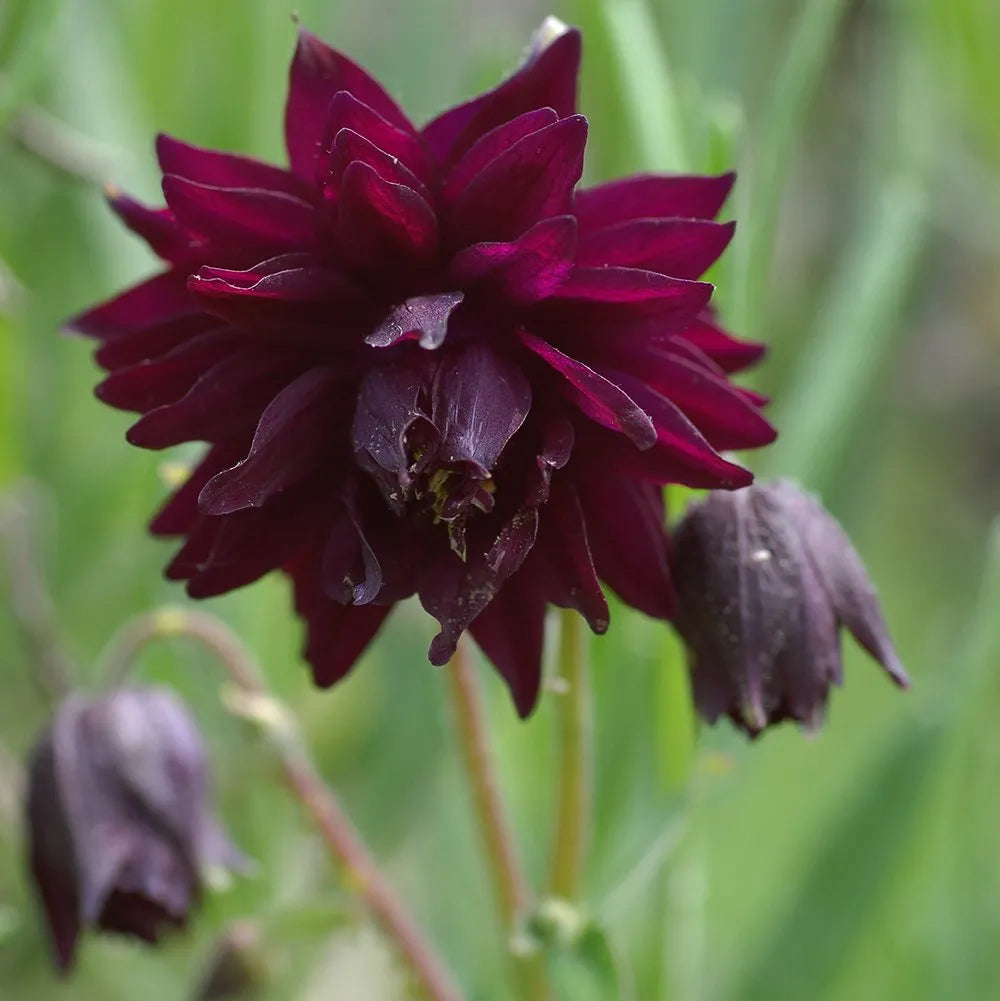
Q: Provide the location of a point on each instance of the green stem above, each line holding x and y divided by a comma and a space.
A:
513, 894
575, 778
254, 700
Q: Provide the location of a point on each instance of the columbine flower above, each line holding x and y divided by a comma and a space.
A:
425, 363
765, 579
119, 825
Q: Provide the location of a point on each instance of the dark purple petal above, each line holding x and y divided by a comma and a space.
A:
648, 196
347, 112
156, 300
153, 342
153, 383
719, 409
237, 215
293, 436
528, 182
389, 404
225, 170
51, 853
511, 631
561, 559
485, 150
546, 80
180, 513
682, 248
225, 401
348, 146
728, 353
525, 270
379, 222
455, 591
841, 573
480, 400
634, 287
290, 277
675, 431
659, 464
157, 227
600, 399
225, 553
423, 318
628, 539
337, 634
317, 74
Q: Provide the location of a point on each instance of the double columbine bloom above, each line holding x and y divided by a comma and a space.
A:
120, 831
426, 363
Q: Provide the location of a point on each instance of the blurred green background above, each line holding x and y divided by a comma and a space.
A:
860, 864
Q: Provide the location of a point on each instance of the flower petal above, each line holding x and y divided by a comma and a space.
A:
675, 431
225, 170
380, 222
226, 400
180, 512
628, 539
347, 112
480, 399
728, 353
317, 74
525, 270
646, 196
156, 300
424, 317
546, 79
389, 403
288, 277
530, 181
152, 383
600, 399
157, 227
349, 146
486, 149
510, 630
238, 215
294, 434
682, 248
561, 559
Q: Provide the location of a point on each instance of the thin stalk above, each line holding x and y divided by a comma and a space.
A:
341, 838
575, 769
509, 882
30, 601
513, 893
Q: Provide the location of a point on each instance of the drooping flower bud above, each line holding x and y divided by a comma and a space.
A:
765, 579
121, 835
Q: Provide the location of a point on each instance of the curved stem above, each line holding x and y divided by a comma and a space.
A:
338, 833
513, 893
575, 779
30, 600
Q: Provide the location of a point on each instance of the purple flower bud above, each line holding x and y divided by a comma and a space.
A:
765, 578
120, 830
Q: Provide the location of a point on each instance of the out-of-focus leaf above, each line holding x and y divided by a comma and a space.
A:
650, 97
810, 41
820, 410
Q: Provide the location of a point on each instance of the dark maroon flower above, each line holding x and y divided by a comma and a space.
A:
424, 363
765, 579
120, 832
